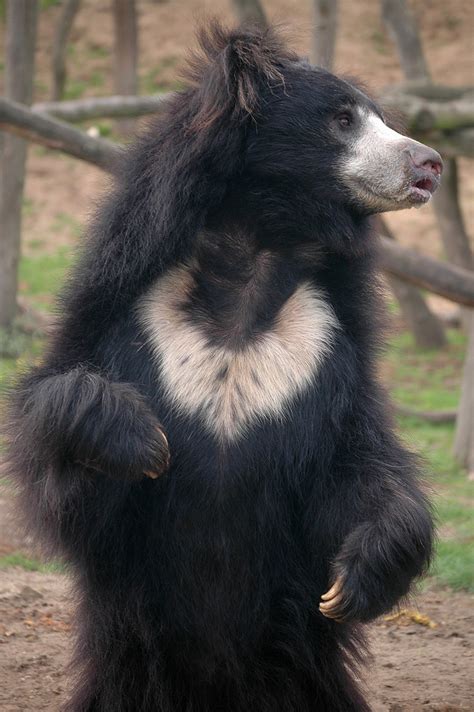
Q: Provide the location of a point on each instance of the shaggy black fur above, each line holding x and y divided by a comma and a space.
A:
199, 591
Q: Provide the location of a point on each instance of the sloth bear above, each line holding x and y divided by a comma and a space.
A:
205, 441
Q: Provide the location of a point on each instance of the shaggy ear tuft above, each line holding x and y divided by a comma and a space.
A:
230, 69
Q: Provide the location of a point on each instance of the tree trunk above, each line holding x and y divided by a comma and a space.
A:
126, 54
250, 12
451, 224
21, 18
401, 24
402, 27
464, 439
324, 32
61, 36
427, 329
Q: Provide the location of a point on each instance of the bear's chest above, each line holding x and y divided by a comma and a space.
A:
230, 388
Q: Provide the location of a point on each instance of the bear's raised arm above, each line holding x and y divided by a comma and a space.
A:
73, 432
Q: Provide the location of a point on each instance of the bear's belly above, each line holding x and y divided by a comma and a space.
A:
229, 389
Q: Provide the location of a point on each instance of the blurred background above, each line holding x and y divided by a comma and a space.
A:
79, 76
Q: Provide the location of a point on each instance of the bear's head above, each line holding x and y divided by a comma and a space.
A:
306, 128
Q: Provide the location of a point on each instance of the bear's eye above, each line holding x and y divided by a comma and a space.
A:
344, 120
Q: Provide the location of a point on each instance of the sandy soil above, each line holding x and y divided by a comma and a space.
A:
415, 668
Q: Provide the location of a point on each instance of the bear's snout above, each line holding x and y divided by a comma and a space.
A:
425, 166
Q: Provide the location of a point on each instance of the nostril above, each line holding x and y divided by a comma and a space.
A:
426, 158
435, 167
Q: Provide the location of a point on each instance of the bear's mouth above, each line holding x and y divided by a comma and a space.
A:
421, 189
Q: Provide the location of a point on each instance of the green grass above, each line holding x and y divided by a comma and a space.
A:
419, 379
76, 88
152, 81
41, 274
429, 380
24, 562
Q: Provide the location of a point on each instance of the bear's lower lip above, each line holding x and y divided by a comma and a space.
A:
419, 195
422, 189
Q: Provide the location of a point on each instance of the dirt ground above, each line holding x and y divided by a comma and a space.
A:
415, 669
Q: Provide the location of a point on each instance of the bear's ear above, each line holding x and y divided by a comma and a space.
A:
231, 69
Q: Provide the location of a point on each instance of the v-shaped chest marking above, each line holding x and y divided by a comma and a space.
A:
228, 389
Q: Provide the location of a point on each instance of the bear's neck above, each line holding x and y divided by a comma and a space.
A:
241, 279
239, 286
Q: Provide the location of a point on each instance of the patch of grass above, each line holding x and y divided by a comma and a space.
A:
95, 51
429, 380
45, 4
28, 207
76, 88
13, 342
454, 565
24, 562
63, 222
152, 81
42, 274
379, 41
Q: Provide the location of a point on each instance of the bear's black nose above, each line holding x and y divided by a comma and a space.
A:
426, 158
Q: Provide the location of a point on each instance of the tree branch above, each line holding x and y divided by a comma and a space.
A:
57, 135
102, 107
61, 36
423, 114
432, 416
453, 283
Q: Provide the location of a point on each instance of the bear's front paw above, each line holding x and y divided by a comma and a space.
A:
357, 595
350, 598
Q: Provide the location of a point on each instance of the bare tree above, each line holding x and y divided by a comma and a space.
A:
250, 12
427, 330
402, 27
464, 439
324, 32
21, 19
451, 224
61, 37
126, 54
401, 24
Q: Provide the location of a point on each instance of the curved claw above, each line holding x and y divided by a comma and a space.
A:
152, 474
333, 591
330, 605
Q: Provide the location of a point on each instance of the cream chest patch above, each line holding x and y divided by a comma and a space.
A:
229, 390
